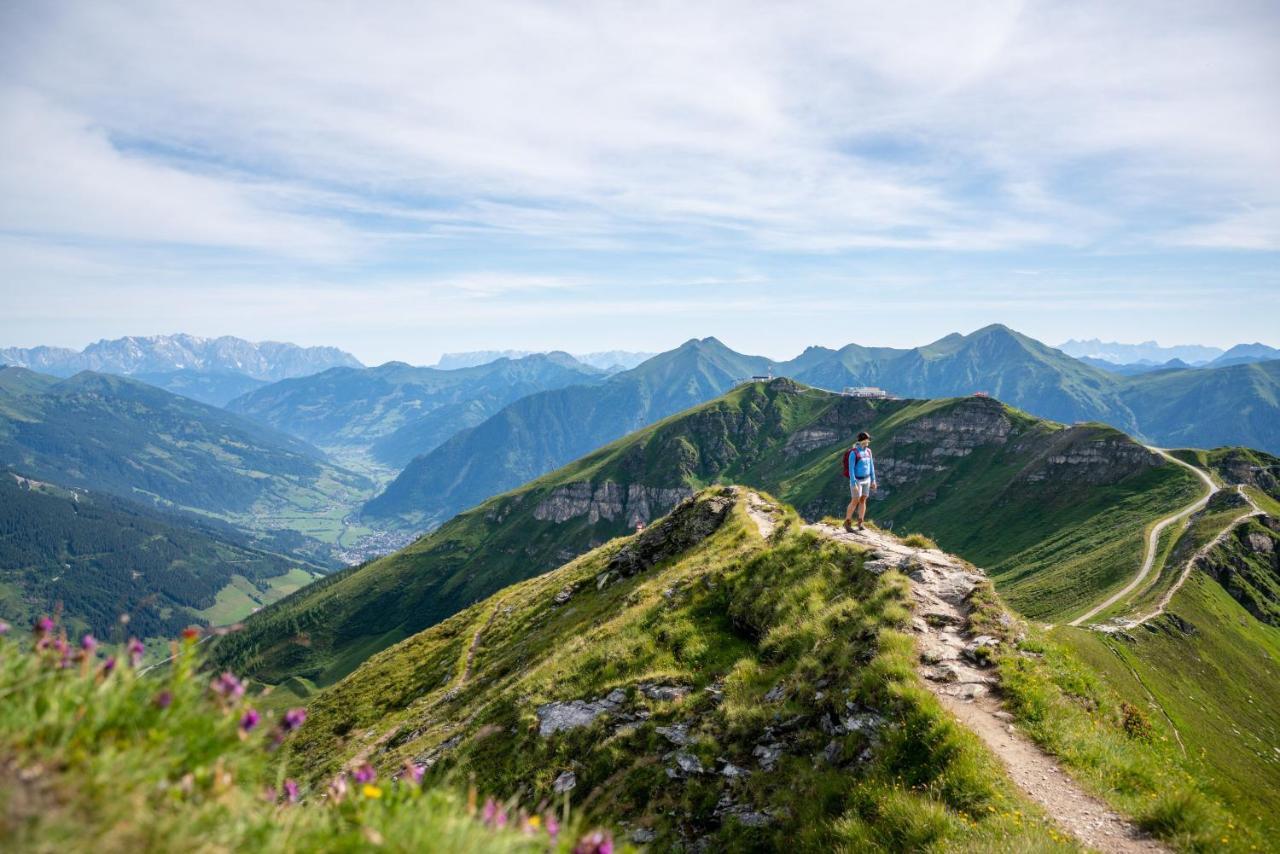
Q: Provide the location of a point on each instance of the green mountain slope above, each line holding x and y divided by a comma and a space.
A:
400, 410
95, 557
1056, 514
215, 389
542, 431
125, 437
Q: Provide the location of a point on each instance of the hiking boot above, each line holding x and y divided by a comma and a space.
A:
848, 526
861, 527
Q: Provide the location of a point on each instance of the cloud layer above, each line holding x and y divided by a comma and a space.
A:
487, 147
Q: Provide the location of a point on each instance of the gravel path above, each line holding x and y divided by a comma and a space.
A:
940, 585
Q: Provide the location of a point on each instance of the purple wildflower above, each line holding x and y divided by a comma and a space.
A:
413, 772
162, 700
108, 665
293, 719
489, 812
595, 842
136, 650
291, 790
365, 774
552, 826
249, 719
4, 628
88, 643
44, 625
228, 686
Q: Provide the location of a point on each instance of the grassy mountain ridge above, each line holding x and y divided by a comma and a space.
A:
963, 470
95, 557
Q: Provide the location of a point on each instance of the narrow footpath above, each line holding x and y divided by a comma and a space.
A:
940, 585
1153, 539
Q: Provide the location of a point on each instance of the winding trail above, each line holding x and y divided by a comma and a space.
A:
940, 586
1153, 539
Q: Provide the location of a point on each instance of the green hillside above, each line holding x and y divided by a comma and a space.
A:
706, 688
117, 435
93, 557
399, 411
1055, 513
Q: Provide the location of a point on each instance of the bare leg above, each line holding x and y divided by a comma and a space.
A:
848, 513
862, 510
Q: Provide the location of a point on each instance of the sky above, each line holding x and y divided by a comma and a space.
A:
404, 179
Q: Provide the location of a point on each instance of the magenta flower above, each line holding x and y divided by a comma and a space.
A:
162, 700
293, 719
88, 643
136, 650
4, 628
291, 790
552, 826
365, 774
595, 842
44, 625
338, 787
413, 771
249, 719
108, 665
228, 686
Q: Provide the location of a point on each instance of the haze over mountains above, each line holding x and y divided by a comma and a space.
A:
606, 360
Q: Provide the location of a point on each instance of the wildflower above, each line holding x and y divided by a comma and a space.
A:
494, 815
413, 772
136, 650
108, 665
291, 790
269, 794
191, 634
370, 791
293, 719
227, 686
44, 625
365, 774
249, 719
594, 842
4, 628
338, 788
88, 643
553, 826
162, 700
532, 823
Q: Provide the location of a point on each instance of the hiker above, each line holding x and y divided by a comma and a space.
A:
860, 468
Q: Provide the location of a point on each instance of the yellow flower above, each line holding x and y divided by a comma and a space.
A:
535, 821
371, 791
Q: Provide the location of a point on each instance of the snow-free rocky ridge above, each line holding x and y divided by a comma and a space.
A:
954, 670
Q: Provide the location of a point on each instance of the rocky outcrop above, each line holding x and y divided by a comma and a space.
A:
1080, 455
690, 523
610, 501
957, 430
1247, 565
556, 717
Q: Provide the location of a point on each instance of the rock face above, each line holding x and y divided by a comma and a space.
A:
609, 501
555, 717
1104, 460
686, 526
1247, 565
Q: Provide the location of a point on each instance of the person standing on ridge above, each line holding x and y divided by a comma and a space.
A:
860, 468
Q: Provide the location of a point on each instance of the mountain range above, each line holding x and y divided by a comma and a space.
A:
162, 354
539, 432
605, 360
398, 411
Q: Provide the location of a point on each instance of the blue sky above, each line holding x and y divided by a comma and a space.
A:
402, 179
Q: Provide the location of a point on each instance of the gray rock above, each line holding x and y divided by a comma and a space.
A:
767, 755
564, 782
643, 835
866, 722
677, 734
564, 595
733, 771
688, 763
555, 717
831, 753
665, 693
775, 693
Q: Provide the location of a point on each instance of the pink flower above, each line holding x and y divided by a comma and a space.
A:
249, 719
293, 719
291, 790
552, 826
338, 787
4, 628
162, 700
595, 842
108, 665
88, 643
136, 650
365, 774
44, 625
413, 772
228, 686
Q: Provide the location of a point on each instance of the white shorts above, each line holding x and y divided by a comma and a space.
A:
860, 488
